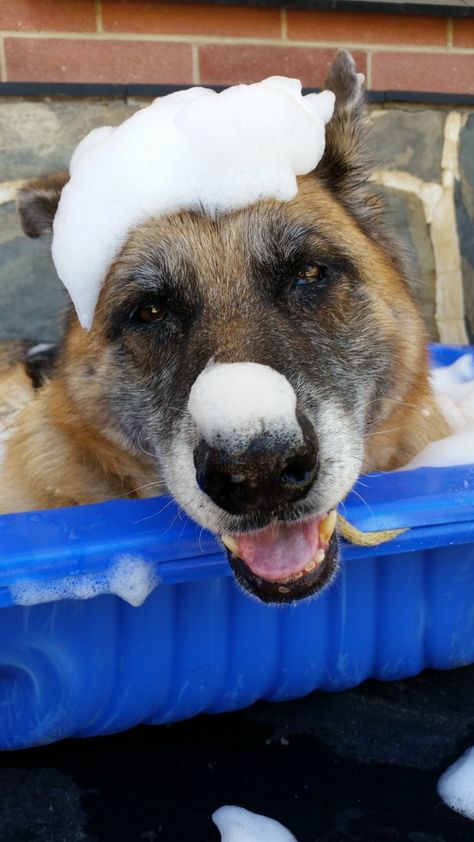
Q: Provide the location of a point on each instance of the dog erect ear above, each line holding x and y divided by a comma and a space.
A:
37, 202
344, 166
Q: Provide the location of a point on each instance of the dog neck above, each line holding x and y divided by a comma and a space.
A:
407, 424
56, 458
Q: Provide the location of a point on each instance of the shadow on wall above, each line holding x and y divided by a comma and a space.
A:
426, 171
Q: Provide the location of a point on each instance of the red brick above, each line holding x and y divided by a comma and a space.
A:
448, 73
48, 15
61, 60
228, 65
185, 19
463, 33
366, 27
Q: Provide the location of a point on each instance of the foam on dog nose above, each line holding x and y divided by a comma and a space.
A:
234, 403
191, 150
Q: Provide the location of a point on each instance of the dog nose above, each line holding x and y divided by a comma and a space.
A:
266, 475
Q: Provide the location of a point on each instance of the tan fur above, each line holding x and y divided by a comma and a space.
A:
16, 390
410, 419
65, 451
56, 459
66, 448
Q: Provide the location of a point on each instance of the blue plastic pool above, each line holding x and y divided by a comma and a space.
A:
86, 667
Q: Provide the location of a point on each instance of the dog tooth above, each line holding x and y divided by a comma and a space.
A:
282, 589
310, 566
320, 556
230, 543
298, 575
327, 526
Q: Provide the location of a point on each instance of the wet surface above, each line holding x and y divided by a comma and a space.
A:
360, 765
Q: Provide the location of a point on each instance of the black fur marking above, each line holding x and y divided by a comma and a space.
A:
40, 365
37, 203
286, 249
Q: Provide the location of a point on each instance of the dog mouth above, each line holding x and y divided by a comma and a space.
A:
285, 562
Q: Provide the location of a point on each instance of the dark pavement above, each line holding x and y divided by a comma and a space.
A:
360, 765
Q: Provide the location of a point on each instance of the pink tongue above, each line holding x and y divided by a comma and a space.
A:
281, 550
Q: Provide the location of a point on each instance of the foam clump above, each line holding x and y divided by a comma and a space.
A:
455, 380
191, 150
236, 824
129, 577
453, 387
234, 402
456, 785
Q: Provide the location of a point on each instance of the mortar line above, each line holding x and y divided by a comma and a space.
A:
8, 190
196, 76
284, 25
234, 41
3, 62
449, 279
437, 201
449, 33
368, 82
98, 15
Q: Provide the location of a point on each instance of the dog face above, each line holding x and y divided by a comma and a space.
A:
249, 356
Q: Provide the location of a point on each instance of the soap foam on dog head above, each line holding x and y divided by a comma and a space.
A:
191, 150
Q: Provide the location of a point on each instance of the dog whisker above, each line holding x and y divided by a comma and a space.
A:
382, 432
363, 501
155, 514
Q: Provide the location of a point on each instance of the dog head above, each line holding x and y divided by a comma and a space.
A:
249, 355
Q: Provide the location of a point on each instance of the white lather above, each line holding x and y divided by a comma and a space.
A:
235, 402
191, 150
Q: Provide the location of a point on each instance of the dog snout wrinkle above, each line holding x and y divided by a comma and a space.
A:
268, 474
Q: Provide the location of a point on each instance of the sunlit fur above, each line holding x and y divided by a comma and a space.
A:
112, 421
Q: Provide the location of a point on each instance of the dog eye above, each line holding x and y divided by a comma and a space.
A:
309, 274
150, 313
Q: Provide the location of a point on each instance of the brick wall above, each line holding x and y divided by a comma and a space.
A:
139, 41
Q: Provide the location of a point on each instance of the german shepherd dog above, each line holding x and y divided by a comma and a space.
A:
313, 293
